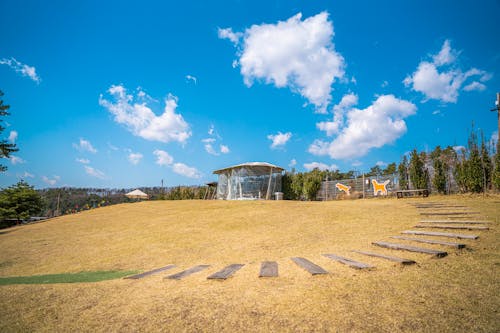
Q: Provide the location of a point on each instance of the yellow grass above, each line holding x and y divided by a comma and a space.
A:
457, 293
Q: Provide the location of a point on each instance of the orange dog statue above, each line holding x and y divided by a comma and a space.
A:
342, 187
380, 187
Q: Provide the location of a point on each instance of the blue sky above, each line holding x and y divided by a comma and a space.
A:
125, 94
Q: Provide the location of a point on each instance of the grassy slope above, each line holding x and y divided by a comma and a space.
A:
457, 293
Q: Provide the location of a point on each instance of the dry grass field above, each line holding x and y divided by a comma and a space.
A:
460, 292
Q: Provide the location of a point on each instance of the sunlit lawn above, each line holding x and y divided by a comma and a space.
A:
457, 293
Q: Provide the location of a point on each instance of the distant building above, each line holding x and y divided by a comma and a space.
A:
249, 181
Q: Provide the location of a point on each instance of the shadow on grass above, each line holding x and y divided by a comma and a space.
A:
66, 277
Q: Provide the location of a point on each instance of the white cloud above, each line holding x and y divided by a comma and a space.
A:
379, 124
112, 147
187, 171
446, 56
444, 84
228, 33
50, 181
84, 145
208, 140
16, 160
12, 136
279, 140
381, 164
357, 164
292, 163
83, 160
94, 172
134, 158
19, 67
139, 119
209, 143
26, 174
339, 110
192, 78
163, 158
298, 54
320, 166
384, 84
475, 86
211, 130
459, 149
210, 149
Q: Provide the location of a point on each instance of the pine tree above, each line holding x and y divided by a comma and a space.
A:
20, 201
496, 173
474, 172
417, 173
6, 148
403, 173
486, 164
439, 179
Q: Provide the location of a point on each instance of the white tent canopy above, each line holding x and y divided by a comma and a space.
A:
249, 181
137, 194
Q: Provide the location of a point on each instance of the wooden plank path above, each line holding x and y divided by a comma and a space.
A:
402, 247
308, 266
187, 272
154, 271
454, 227
439, 234
449, 213
430, 241
225, 272
349, 262
268, 269
440, 207
455, 221
391, 258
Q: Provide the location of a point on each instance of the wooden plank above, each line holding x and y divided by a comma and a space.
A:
449, 213
439, 234
268, 269
187, 272
225, 272
309, 266
391, 258
429, 241
154, 271
455, 227
402, 247
424, 206
455, 221
349, 262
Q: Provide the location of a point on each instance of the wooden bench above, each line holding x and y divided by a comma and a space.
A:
406, 193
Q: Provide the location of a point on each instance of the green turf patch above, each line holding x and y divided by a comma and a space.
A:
66, 277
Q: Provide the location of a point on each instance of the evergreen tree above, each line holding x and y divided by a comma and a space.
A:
460, 171
297, 186
439, 179
486, 164
474, 173
20, 201
312, 184
416, 171
6, 148
403, 173
391, 169
496, 173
